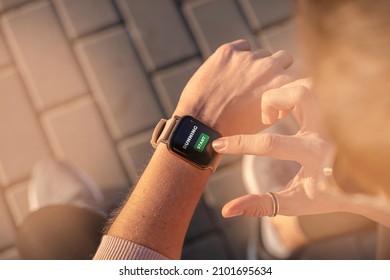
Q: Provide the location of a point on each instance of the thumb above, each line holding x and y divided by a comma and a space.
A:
252, 205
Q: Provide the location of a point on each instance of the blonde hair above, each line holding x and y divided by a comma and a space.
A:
347, 45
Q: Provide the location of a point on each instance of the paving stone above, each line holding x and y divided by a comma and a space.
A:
119, 83
343, 248
136, 152
225, 185
7, 229
159, 33
200, 222
283, 37
209, 247
10, 254
22, 142
169, 83
263, 13
211, 30
5, 57
7, 4
48, 65
82, 17
366, 242
77, 133
280, 37
16, 197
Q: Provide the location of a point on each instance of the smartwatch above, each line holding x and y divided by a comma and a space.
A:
189, 139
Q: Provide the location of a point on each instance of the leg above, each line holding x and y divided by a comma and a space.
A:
66, 214
60, 232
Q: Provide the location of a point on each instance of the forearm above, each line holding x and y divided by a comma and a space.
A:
160, 208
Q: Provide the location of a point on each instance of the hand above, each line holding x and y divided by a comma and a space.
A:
309, 147
226, 91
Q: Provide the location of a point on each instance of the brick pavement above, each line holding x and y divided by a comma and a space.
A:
86, 81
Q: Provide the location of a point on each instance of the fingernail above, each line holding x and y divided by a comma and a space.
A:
233, 213
219, 144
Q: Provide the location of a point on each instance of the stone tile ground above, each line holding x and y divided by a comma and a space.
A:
87, 80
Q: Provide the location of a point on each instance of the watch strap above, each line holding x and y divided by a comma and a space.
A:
163, 130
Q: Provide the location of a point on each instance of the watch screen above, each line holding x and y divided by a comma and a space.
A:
192, 140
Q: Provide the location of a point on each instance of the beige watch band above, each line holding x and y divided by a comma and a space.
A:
163, 131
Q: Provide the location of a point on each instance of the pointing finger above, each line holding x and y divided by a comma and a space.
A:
253, 205
295, 148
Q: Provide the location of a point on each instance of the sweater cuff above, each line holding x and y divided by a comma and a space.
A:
115, 248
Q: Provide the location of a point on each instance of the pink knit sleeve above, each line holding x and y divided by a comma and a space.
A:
114, 248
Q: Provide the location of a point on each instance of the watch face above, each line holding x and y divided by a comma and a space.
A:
192, 140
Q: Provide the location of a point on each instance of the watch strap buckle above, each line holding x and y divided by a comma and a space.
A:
157, 132
163, 130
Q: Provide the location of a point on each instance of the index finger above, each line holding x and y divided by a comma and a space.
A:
295, 148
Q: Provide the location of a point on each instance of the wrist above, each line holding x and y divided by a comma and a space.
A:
175, 163
203, 115
193, 113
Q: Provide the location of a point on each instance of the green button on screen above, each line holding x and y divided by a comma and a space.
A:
201, 142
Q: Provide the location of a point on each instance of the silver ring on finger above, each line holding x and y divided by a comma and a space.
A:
275, 204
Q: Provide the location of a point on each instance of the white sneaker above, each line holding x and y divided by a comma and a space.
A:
55, 182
